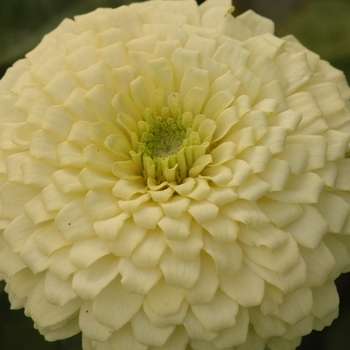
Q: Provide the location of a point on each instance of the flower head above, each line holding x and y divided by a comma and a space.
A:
174, 176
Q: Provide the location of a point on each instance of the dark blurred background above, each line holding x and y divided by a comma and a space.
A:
321, 25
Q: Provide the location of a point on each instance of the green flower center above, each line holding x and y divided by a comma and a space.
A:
164, 139
168, 144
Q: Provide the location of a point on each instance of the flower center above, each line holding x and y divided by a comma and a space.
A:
167, 143
165, 139
159, 150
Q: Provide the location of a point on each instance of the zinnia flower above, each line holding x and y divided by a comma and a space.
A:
173, 177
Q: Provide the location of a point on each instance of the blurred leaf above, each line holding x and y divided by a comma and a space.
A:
323, 27
23, 23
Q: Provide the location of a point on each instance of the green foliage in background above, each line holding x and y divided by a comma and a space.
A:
323, 26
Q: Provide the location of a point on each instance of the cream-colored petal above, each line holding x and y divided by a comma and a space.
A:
305, 188
148, 216
340, 254
220, 313
266, 326
309, 229
145, 332
196, 330
138, 280
87, 283
227, 257
189, 248
141, 89
287, 282
96, 78
258, 24
194, 100
90, 326
177, 341
257, 157
220, 175
18, 232
33, 257
22, 283
272, 299
108, 229
126, 189
225, 120
241, 170
203, 211
250, 84
124, 338
61, 86
101, 204
36, 172
282, 343
268, 236
224, 152
148, 252
127, 239
232, 55
82, 58
45, 314
70, 155
43, 147
100, 159
316, 147
83, 253
164, 299
114, 306
322, 92
58, 292
295, 68
60, 265
206, 46
16, 263
67, 180
223, 230
173, 228
337, 144
236, 335
99, 131
206, 286
280, 214
79, 133
36, 211
73, 223
276, 174
245, 212
282, 260
246, 288
176, 207
93, 179
296, 306
178, 272
341, 181
222, 195
133, 205
335, 210
48, 239
127, 111
253, 189
182, 59
325, 300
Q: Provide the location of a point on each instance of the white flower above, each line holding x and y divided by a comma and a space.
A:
173, 177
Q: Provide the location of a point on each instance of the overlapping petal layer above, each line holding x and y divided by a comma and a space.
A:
174, 177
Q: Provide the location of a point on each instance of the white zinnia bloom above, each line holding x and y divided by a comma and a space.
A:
173, 177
